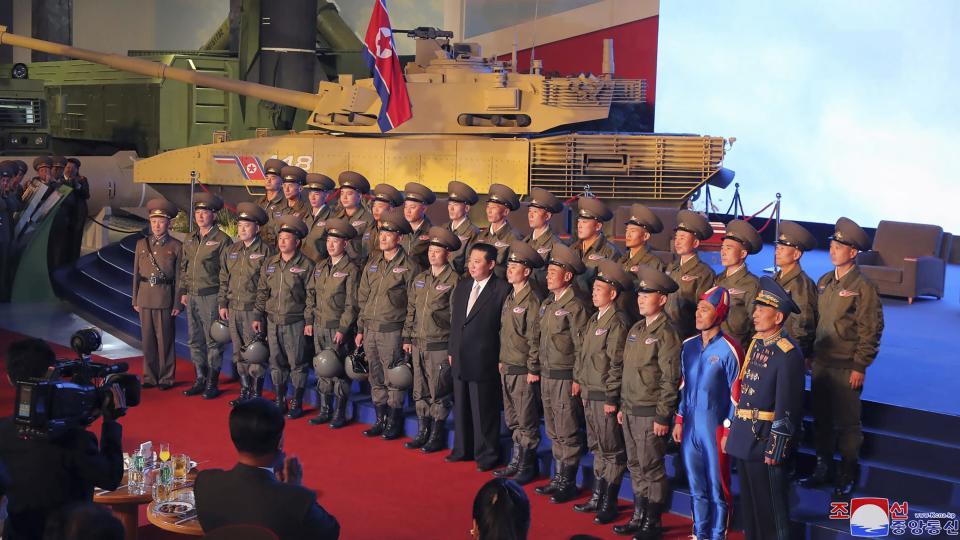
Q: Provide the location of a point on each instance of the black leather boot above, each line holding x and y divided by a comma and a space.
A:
846, 481
550, 488
567, 486
437, 440
377, 428
608, 506
394, 429
213, 385
296, 406
281, 399
822, 473
636, 520
423, 433
339, 414
596, 497
326, 409
528, 469
651, 527
199, 385
257, 390
246, 391
511, 469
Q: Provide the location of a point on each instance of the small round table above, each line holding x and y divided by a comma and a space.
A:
169, 523
124, 505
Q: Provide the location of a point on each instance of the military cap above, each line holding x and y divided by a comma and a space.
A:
58, 161
388, 194
42, 161
459, 192
292, 223
8, 168
75, 161
744, 233
319, 182
521, 252
273, 166
649, 279
849, 233
614, 274
444, 237
355, 181
694, 223
502, 194
541, 198
293, 174
774, 295
162, 208
22, 165
420, 193
593, 208
794, 235
644, 217
341, 228
207, 201
393, 221
566, 258
248, 211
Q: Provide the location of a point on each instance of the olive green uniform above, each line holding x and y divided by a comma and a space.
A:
743, 287
281, 299
200, 281
358, 249
416, 243
300, 209
332, 307
155, 290
519, 356
239, 276
599, 250
467, 233
501, 241
631, 262
801, 327
314, 245
273, 207
694, 277
543, 245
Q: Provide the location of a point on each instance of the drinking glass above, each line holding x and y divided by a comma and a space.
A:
163, 486
181, 466
164, 452
136, 480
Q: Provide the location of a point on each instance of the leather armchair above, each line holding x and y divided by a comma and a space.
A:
906, 260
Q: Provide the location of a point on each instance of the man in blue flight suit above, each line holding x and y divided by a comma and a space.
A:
768, 415
710, 363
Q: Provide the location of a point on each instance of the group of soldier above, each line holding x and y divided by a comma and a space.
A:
614, 345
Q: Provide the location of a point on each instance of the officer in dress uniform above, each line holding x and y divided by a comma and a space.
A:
460, 198
792, 242
78, 217
519, 363
563, 320
9, 203
331, 318
502, 200
57, 164
740, 240
597, 373
543, 206
318, 187
272, 201
293, 180
426, 333
155, 298
281, 300
769, 412
239, 277
39, 182
416, 199
848, 337
592, 245
353, 186
199, 288
641, 225
692, 275
385, 197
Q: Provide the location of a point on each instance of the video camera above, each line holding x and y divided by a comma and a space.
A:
73, 392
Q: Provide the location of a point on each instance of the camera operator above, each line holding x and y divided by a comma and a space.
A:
48, 475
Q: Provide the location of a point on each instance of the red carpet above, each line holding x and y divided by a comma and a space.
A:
375, 488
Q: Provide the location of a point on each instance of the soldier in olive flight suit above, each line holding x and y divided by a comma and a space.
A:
693, 276
199, 288
318, 187
353, 186
272, 201
416, 199
293, 180
239, 277
641, 225
592, 245
792, 242
385, 197
425, 336
502, 200
460, 198
740, 240
543, 206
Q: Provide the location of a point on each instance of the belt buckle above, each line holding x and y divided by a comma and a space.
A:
754, 414
152, 280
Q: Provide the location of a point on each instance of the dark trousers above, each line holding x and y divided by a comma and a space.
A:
763, 500
836, 413
476, 416
157, 342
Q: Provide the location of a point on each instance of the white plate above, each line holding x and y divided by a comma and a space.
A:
173, 508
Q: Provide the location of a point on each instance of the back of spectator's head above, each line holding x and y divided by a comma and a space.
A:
89, 521
29, 358
256, 427
501, 511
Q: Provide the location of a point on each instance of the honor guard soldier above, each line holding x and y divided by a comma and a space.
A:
563, 319
385, 197
425, 336
281, 300
648, 381
592, 245
78, 218
272, 201
331, 318
57, 164
9, 204
417, 198
502, 200
199, 288
460, 198
850, 322
543, 206
318, 188
792, 242
353, 186
519, 363
384, 284
766, 427
740, 240
155, 298
293, 180
641, 225
598, 374
39, 182
692, 275
239, 277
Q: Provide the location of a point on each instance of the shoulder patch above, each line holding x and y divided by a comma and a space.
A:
212, 243
520, 309
255, 256
339, 274
687, 277
785, 345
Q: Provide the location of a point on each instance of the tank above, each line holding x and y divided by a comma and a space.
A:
474, 119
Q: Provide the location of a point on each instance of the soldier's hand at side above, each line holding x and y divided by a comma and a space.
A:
856, 379
183, 299
408, 348
449, 359
770, 461
174, 312
575, 389
224, 314
678, 433
359, 340
308, 330
338, 338
136, 308
723, 444
660, 430
531, 378
257, 326
609, 409
620, 417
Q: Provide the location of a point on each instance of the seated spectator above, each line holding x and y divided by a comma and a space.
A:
501, 511
92, 522
263, 488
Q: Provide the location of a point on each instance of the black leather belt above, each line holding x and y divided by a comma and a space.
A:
154, 280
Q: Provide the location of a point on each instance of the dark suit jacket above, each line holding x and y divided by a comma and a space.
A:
475, 337
248, 495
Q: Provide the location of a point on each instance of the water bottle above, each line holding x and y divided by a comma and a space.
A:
135, 474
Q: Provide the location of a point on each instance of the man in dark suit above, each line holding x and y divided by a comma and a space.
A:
474, 352
252, 493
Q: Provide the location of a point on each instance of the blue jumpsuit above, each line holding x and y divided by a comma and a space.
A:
709, 374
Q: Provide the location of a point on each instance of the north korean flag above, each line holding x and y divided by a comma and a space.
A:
381, 54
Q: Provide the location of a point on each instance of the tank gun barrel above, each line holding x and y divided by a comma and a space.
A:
282, 96
424, 32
